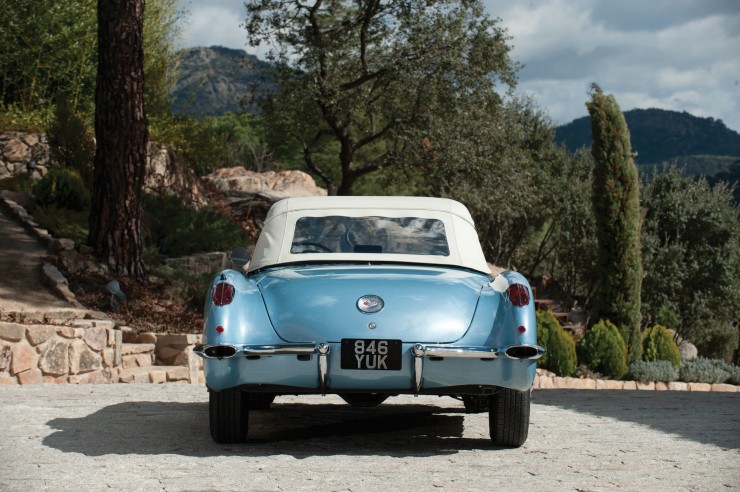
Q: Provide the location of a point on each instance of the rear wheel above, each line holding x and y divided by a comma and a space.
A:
364, 400
508, 417
229, 415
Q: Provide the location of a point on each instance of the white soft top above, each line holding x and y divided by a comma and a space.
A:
277, 244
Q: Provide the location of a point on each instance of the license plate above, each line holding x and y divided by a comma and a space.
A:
373, 354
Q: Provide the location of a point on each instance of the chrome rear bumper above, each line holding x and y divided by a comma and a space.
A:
517, 352
419, 352
217, 351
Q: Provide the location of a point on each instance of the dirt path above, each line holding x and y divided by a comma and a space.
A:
21, 286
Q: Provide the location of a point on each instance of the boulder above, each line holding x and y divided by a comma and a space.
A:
258, 191
166, 171
687, 349
272, 185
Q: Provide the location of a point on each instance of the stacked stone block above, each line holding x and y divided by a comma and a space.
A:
59, 354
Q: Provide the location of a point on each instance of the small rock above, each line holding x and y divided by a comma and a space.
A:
38, 334
6, 378
729, 388
24, 358
11, 332
678, 386
33, 376
645, 386
700, 387
55, 358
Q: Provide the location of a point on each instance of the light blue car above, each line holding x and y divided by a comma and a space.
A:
369, 297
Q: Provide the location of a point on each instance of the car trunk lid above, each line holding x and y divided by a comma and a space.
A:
421, 304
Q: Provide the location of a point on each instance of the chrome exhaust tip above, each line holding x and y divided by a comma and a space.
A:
524, 352
215, 351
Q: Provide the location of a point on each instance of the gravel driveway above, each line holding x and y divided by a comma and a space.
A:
151, 437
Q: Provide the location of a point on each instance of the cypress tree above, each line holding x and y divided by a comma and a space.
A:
616, 202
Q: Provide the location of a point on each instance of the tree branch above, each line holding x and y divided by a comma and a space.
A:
308, 159
373, 137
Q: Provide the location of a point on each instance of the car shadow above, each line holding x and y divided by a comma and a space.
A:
299, 430
703, 417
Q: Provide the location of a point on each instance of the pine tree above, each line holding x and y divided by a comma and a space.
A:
121, 132
616, 202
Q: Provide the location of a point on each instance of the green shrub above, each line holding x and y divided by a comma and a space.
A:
668, 317
659, 370
22, 183
62, 222
184, 286
734, 375
603, 350
64, 188
178, 230
560, 355
16, 119
658, 344
703, 370
71, 142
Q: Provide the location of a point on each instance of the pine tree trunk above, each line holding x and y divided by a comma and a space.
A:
121, 133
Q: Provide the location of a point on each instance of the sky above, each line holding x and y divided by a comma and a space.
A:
682, 55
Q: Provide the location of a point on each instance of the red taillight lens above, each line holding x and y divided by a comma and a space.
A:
518, 294
222, 294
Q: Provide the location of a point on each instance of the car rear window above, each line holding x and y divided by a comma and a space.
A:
392, 235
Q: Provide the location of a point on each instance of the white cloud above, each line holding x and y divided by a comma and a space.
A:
670, 54
214, 25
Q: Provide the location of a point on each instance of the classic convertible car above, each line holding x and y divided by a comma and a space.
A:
366, 298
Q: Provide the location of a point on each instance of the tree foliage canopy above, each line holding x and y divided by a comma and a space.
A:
48, 49
368, 79
690, 245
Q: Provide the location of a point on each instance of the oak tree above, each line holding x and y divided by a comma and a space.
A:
359, 83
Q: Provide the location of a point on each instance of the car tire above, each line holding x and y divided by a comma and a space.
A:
229, 416
364, 400
508, 417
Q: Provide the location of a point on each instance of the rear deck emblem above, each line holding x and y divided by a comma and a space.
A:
370, 304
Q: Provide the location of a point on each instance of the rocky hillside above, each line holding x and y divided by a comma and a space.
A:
213, 81
703, 145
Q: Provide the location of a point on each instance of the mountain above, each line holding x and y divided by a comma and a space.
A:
699, 145
213, 81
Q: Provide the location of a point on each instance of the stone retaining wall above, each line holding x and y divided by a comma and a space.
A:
18, 151
548, 380
59, 354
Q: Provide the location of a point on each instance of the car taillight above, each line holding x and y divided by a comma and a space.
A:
222, 294
518, 294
